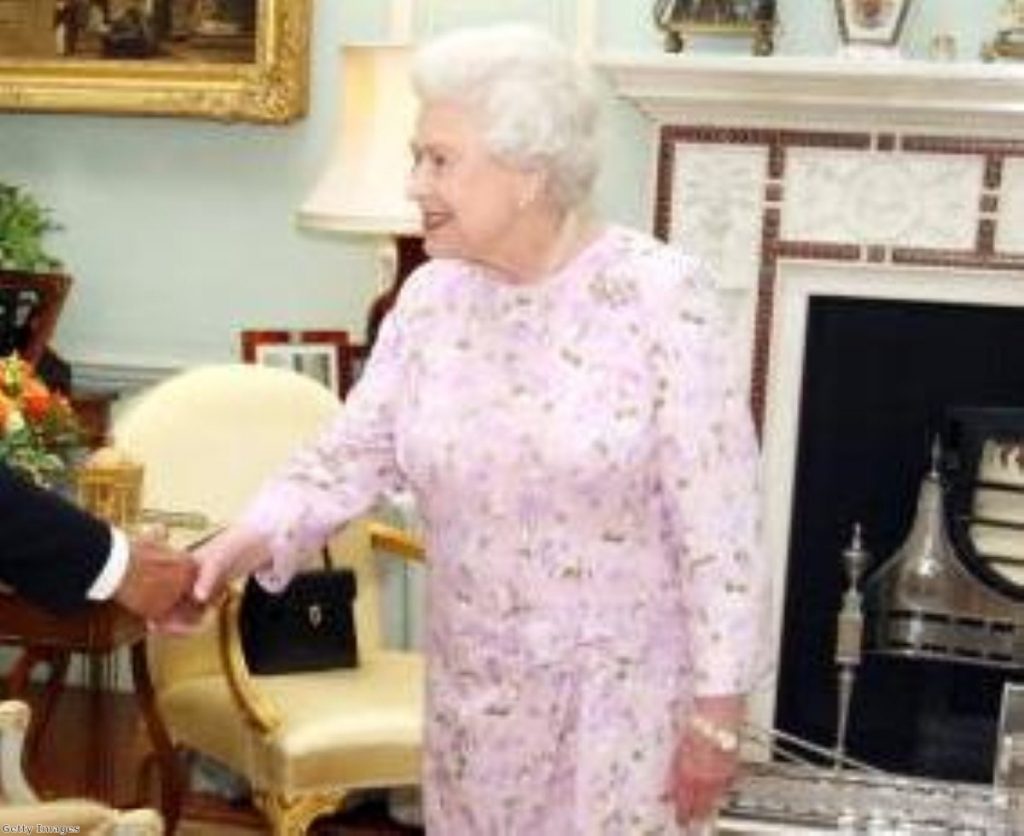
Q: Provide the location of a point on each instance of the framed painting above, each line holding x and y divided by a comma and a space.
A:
234, 60
678, 20
326, 356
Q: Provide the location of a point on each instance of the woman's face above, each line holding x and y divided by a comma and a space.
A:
469, 201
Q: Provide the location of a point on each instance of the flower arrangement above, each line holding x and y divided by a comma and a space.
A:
38, 429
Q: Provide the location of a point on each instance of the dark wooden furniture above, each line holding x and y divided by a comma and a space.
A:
30, 304
96, 631
93, 411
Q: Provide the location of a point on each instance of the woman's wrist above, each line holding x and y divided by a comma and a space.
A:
724, 738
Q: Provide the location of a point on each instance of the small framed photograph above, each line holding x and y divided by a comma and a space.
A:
871, 22
326, 356
680, 20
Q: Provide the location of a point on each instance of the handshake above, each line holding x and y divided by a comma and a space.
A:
171, 589
158, 582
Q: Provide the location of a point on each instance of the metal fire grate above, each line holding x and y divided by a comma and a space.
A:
793, 793
924, 602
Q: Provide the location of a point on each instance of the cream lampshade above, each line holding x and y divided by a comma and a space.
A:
362, 189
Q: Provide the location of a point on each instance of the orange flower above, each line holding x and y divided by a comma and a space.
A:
35, 399
38, 428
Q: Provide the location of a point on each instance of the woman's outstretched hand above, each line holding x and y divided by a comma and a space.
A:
232, 553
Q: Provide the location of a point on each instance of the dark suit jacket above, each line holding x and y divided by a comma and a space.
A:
50, 550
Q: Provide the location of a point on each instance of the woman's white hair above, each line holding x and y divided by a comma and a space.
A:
536, 103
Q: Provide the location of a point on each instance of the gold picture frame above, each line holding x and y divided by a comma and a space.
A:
679, 20
271, 86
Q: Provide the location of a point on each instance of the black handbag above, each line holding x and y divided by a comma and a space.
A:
308, 626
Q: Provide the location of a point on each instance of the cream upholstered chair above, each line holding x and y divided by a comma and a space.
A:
22, 811
207, 438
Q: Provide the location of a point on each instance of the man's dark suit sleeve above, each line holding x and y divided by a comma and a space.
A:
50, 550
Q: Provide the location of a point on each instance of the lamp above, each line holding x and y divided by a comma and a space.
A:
363, 186
362, 190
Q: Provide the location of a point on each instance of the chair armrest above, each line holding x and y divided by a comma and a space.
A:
258, 709
143, 821
22, 810
391, 539
14, 720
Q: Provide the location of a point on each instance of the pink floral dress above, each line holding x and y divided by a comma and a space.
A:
582, 457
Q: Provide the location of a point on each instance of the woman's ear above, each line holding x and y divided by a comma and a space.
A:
532, 188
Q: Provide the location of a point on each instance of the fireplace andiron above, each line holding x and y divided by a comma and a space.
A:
921, 603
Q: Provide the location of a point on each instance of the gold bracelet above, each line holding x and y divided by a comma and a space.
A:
724, 739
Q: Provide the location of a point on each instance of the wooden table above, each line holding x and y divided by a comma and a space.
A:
95, 631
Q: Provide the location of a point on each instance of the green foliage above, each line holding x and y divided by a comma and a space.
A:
24, 224
39, 431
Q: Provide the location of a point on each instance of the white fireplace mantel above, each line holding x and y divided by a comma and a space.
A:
676, 88
798, 176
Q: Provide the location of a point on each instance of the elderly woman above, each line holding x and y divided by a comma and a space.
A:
557, 394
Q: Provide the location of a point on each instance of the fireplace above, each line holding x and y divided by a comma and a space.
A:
866, 224
881, 378
867, 361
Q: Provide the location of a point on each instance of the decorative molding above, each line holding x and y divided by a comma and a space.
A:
679, 89
833, 196
120, 376
723, 217
1007, 202
892, 198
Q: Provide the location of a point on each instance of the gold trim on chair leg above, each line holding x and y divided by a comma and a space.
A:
292, 815
257, 707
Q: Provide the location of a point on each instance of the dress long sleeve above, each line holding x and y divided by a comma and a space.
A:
339, 476
708, 460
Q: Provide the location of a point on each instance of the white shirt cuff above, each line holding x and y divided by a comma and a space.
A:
109, 579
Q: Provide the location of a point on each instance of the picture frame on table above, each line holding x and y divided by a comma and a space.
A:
871, 22
327, 356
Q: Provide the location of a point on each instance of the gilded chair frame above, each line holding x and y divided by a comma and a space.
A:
289, 814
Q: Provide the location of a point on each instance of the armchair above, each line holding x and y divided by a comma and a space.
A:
207, 438
20, 808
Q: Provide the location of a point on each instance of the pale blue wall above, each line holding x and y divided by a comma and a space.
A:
180, 232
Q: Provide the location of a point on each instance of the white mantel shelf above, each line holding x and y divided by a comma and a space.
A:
678, 88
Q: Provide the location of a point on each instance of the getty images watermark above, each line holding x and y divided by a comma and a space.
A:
40, 828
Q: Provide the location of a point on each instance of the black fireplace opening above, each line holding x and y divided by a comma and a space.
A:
880, 379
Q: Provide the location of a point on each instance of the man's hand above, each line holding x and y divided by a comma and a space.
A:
229, 554
157, 580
